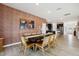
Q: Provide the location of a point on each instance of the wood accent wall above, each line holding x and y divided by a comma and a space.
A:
10, 20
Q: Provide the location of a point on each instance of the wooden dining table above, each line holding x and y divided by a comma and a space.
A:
38, 38
37, 35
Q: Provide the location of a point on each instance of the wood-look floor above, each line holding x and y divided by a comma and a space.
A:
66, 46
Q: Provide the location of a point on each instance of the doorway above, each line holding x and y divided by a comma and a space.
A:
60, 28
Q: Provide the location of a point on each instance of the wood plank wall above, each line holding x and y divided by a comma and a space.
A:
9, 23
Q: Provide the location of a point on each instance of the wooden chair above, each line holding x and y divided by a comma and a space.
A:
52, 41
25, 44
42, 45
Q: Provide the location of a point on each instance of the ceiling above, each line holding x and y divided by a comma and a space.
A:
50, 11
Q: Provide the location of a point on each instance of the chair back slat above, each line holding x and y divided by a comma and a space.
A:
45, 41
23, 41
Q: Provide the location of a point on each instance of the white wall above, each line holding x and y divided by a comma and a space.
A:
43, 29
69, 24
54, 26
69, 27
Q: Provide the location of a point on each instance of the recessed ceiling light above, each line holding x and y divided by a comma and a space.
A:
37, 4
49, 11
61, 18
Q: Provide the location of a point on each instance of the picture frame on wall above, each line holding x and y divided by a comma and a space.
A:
23, 24
26, 24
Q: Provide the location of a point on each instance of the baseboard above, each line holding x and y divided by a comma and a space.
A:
8, 45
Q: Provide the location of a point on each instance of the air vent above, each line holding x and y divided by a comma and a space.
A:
67, 14
58, 9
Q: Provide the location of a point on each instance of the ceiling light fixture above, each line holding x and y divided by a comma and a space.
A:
37, 4
49, 11
61, 18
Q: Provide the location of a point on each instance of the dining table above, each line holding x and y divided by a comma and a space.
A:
37, 38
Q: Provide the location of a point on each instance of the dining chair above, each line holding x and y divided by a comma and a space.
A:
52, 41
25, 44
43, 46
